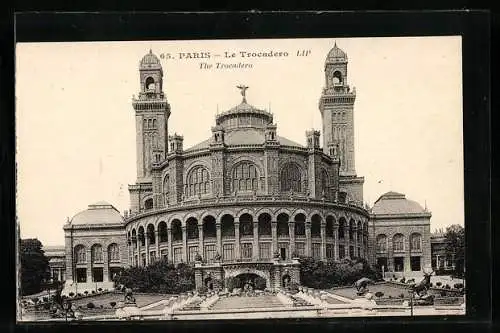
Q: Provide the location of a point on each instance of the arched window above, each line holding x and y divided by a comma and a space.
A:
148, 204
150, 83
245, 177
80, 254
381, 243
291, 178
198, 182
162, 232
398, 243
416, 242
96, 251
114, 252
324, 181
166, 188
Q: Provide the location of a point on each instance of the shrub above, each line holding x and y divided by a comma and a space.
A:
86, 292
390, 296
90, 305
443, 293
438, 284
93, 292
402, 280
447, 286
45, 299
394, 277
99, 289
112, 304
458, 285
79, 295
202, 290
101, 306
401, 295
431, 284
379, 294
46, 306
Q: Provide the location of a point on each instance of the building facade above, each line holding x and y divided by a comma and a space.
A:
243, 201
400, 235
57, 262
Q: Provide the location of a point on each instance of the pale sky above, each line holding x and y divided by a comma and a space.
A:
76, 125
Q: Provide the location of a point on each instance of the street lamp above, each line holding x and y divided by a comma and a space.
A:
411, 292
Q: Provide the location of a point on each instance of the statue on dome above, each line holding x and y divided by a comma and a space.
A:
243, 90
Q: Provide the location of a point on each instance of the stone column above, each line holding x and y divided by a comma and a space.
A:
356, 254
218, 231
105, 270
291, 235
146, 243
170, 250
89, 265
308, 238
139, 263
237, 239
274, 235
157, 242
323, 239
255, 253
200, 240
184, 245
336, 241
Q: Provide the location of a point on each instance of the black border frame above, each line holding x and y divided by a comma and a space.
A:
473, 26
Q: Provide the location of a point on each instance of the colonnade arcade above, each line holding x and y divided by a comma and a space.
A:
246, 237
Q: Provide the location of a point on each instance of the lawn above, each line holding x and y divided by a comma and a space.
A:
104, 300
389, 290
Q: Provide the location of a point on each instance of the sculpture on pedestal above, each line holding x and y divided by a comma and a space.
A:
420, 289
362, 285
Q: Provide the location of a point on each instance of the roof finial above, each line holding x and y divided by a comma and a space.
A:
335, 44
243, 89
150, 50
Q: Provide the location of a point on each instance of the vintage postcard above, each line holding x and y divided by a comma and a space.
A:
235, 179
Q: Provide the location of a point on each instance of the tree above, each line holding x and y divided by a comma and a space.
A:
34, 266
455, 247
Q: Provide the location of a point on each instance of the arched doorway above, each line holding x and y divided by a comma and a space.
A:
249, 282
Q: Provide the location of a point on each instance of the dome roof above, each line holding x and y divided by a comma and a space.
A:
336, 55
245, 136
150, 61
393, 203
99, 213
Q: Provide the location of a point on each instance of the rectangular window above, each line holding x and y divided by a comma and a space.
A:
352, 254
246, 250
316, 250
143, 258
341, 251
97, 274
300, 248
399, 264
228, 252
177, 255
81, 275
152, 257
136, 260
330, 254
210, 251
415, 263
265, 250
164, 254
382, 263
283, 248
192, 251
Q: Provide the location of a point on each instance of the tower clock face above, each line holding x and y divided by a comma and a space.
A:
151, 86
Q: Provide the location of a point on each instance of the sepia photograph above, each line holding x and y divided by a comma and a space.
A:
240, 179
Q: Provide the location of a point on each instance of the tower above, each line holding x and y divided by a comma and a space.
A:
151, 117
337, 111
